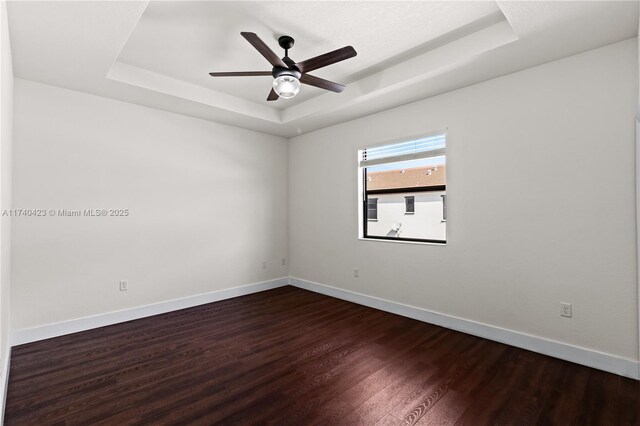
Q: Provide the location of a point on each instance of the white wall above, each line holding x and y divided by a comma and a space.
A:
541, 207
207, 202
6, 138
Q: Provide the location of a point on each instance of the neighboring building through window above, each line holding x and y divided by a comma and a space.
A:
404, 190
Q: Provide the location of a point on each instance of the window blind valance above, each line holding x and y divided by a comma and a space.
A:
426, 147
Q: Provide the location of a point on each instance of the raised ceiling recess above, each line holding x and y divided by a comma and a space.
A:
159, 54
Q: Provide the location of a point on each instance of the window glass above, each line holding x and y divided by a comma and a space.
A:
404, 190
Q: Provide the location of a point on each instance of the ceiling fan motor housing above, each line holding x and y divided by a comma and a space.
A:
293, 71
279, 71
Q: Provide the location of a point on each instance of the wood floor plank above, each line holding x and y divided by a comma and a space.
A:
450, 370
446, 411
389, 420
372, 384
290, 356
396, 393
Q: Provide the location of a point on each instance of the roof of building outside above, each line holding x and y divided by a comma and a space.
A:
406, 178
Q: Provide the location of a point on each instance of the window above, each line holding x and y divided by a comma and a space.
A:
372, 209
404, 190
409, 204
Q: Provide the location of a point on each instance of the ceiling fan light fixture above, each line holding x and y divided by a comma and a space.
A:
286, 86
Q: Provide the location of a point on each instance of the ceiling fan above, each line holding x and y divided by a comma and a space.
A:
288, 74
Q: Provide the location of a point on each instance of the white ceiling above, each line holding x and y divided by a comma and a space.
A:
159, 54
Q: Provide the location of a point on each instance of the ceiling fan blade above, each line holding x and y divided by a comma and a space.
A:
326, 59
239, 74
273, 96
321, 83
264, 50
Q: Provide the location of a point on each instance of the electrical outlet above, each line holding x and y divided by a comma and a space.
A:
565, 310
356, 272
264, 265
123, 285
284, 261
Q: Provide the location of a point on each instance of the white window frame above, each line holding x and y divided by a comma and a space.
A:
362, 182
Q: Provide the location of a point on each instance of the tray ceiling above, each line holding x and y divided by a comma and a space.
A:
158, 54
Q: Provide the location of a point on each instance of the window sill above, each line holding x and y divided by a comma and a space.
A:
372, 220
424, 243
409, 213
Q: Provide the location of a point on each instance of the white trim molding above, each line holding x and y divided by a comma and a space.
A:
588, 357
48, 331
579, 355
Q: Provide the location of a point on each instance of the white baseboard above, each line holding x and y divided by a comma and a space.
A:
4, 383
602, 361
47, 331
599, 360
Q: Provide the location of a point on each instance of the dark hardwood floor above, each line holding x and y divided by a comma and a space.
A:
292, 357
